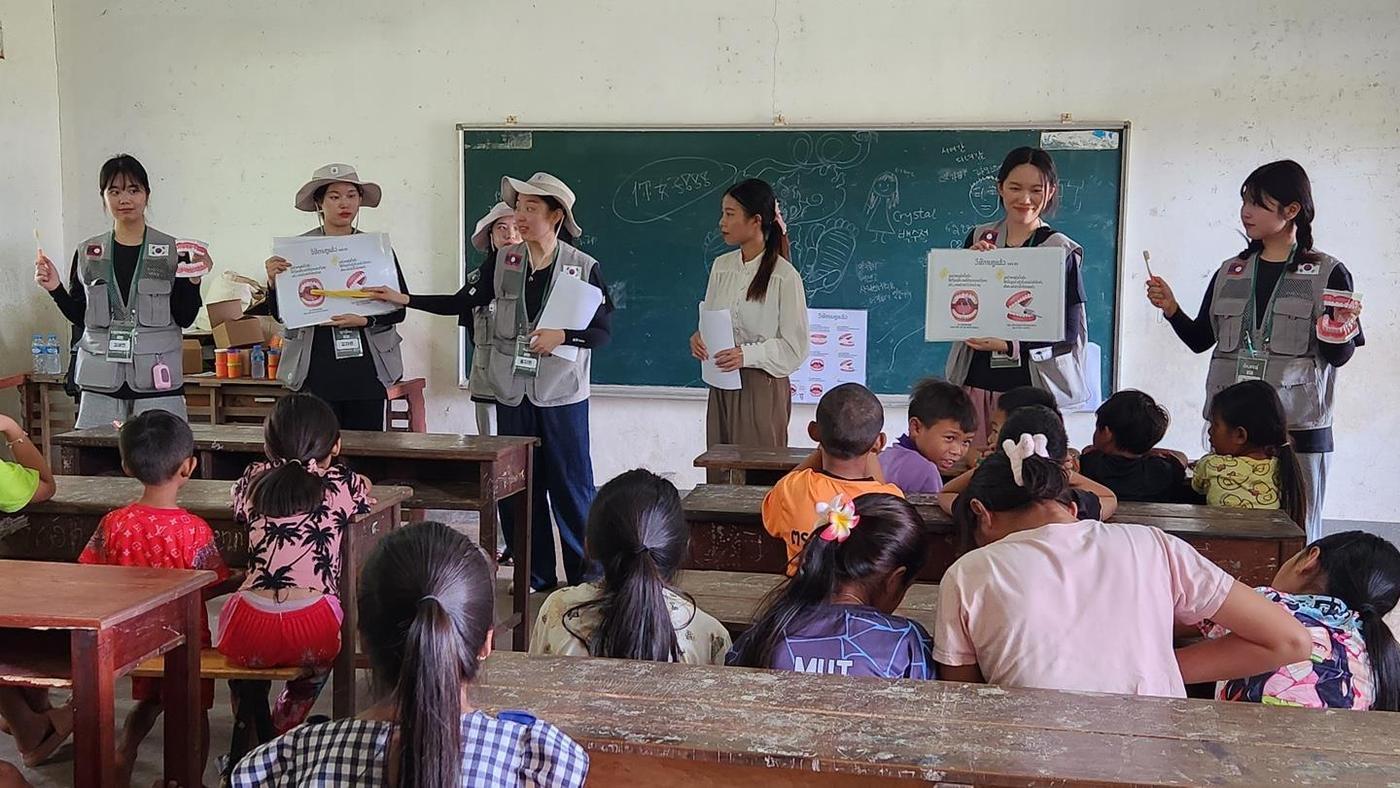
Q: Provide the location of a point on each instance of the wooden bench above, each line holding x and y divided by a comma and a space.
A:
214, 665
452, 472
57, 530
734, 597
650, 724
726, 532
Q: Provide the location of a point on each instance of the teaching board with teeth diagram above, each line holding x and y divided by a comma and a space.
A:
864, 207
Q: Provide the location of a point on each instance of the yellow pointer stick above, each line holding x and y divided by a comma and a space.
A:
340, 293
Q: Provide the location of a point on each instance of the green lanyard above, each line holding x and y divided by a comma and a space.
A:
522, 317
121, 309
1252, 324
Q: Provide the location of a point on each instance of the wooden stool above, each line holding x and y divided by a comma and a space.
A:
412, 417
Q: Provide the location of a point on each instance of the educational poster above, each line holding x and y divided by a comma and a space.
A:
836, 354
327, 274
1012, 294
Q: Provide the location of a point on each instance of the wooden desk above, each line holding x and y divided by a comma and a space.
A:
726, 532
650, 724
726, 463
734, 597
57, 530
65, 625
454, 472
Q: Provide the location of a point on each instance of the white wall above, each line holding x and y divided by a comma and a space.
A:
239, 102
29, 180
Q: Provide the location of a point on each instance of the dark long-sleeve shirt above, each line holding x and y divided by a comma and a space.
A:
483, 291
185, 302
983, 375
1199, 335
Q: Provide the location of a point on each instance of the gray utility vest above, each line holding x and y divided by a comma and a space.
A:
558, 381
382, 342
1060, 371
157, 339
479, 377
1303, 380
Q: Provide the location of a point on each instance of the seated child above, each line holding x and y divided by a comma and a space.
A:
39, 729
639, 535
941, 426
296, 506
1010, 402
1339, 587
1251, 464
426, 611
835, 615
157, 448
849, 435
1092, 500
1124, 457
1050, 600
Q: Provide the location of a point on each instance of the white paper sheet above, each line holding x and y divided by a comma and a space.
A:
836, 353
342, 262
717, 332
571, 306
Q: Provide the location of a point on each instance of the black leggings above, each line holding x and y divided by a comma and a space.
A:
359, 414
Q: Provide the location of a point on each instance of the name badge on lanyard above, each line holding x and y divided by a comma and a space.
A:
121, 343
527, 361
1251, 366
349, 342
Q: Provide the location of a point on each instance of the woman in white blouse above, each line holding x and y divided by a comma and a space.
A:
764, 293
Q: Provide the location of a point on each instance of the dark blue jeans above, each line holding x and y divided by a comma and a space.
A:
563, 482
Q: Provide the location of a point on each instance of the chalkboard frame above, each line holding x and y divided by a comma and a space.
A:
1065, 123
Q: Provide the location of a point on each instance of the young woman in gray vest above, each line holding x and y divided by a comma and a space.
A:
351, 362
538, 394
1264, 313
987, 367
123, 294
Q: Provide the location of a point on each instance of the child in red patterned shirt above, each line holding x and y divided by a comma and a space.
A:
158, 449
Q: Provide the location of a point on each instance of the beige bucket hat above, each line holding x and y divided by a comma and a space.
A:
542, 184
481, 236
336, 173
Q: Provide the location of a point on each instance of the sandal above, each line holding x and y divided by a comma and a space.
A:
61, 721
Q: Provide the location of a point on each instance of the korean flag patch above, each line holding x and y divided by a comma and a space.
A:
157, 250
1308, 269
575, 271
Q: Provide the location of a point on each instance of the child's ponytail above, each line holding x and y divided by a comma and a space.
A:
301, 431
1292, 491
426, 611
1363, 570
638, 532
889, 536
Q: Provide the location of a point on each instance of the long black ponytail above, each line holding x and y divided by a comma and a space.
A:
426, 605
1254, 406
992, 484
638, 532
889, 536
756, 197
301, 430
1363, 570
1286, 182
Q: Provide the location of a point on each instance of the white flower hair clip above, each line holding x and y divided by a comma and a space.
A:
839, 516
1018, 451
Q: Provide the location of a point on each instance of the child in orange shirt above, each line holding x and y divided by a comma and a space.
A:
158, 449
849, 432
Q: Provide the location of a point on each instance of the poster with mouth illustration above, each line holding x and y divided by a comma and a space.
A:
327, 271
836, 354
1012, 294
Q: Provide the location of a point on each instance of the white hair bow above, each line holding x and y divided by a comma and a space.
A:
1018, 451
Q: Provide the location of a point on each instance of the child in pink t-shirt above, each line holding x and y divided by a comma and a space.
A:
1051, 601
296, 507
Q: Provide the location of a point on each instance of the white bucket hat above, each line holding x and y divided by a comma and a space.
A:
336, 173
481, 236
542, 184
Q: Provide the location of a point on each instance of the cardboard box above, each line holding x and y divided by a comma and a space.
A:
221, 312
192, 352
244, 332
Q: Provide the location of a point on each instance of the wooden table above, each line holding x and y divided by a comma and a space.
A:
57, 530
734, 597
726, 463
726, 532
453, 472
65, 625
651, 723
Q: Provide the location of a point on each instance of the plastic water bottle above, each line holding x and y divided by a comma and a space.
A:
36, 348
53, 355
258, 360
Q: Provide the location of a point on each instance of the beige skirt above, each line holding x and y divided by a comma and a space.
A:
756, 414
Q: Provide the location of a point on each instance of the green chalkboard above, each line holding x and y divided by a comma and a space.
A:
863, 206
